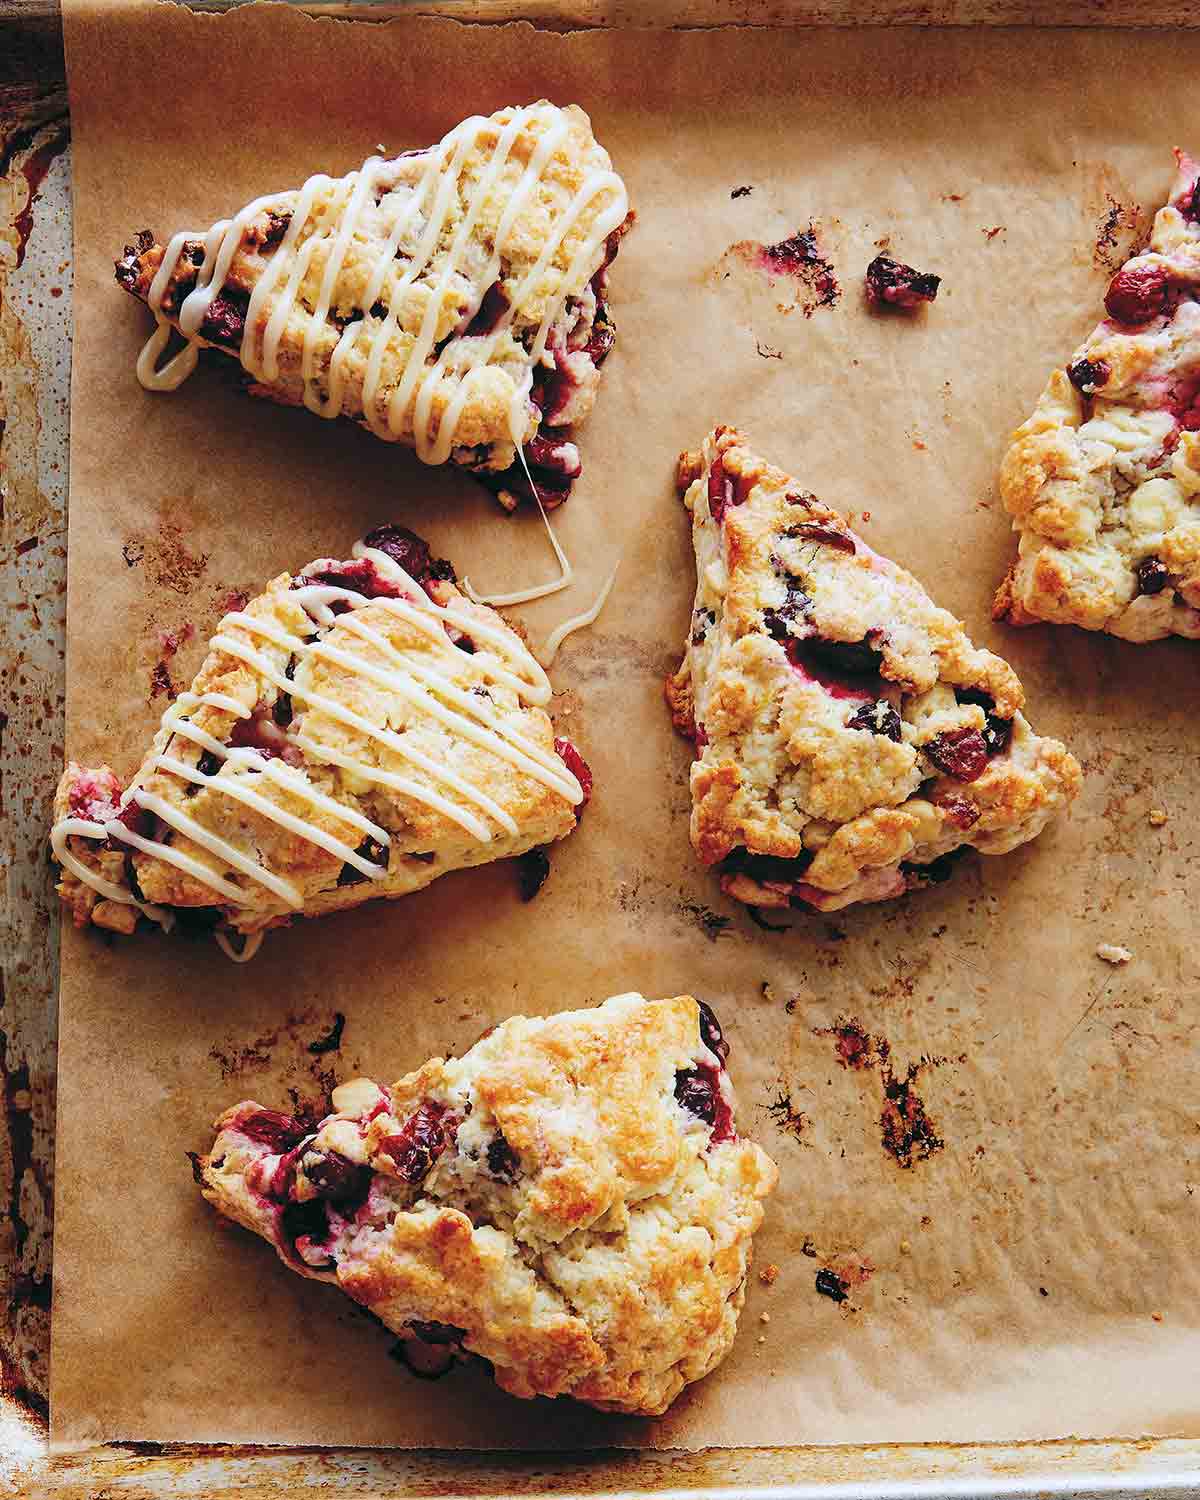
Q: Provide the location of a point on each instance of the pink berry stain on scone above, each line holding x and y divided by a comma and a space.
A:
1103, 481
850, 739
468, 1205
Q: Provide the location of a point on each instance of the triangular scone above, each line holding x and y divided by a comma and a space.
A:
1103, 480
849, 736
453, 299
355, 731
569, 1200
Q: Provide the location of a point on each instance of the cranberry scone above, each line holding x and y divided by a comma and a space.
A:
569, 1200
453, 299
1103, 480
849, 737
355, 731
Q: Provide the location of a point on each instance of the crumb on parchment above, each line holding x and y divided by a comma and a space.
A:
769, 1275
1157, 816
1113, 953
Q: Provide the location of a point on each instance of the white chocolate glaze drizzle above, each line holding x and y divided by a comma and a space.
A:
422, 218
419, 679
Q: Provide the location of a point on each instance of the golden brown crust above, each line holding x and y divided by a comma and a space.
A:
843, 722
576, 1224
1103, 480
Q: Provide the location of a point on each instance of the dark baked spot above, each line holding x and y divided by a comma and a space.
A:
502, 1161
332, 1040
1152, 576
831, 1285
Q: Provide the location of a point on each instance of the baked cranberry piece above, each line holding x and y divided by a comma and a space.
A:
1152, 576
1088, 375
996, 731
370, 849
877, 718
720, 490
420, 1141
404, 547
502, 1161
261, 732
533, 870
853, 658
960, 811
359, 575
961, 753
577, 766
304, 1227
795, 610
890, 283
225, 318
336, 1177
278, 1132
1137, 293
710, 1032
698, 1090
824, 535
492, 307
208, 764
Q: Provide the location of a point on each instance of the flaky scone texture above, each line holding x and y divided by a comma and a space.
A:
504, 231
849, 736
1103, 480
569, 1200
372, 727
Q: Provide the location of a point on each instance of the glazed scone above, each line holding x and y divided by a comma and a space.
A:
849, 737
568, 1200
1103, 480
453, 299
355, 731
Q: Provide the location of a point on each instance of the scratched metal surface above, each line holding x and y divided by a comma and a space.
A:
35, 294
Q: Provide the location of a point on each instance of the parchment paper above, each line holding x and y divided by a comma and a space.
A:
1036, 1274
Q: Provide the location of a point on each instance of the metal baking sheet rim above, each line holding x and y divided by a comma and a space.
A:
24, 1455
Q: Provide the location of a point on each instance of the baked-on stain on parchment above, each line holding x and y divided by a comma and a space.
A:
907, 1132
1116, 233
798, 258
302, 1045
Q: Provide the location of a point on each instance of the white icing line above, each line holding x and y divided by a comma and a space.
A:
577, 622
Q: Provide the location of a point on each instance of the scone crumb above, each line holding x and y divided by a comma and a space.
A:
1157, 1316
1158, 816
762, 1338
905, 1247
764, 1317
1113, 953
769, 1275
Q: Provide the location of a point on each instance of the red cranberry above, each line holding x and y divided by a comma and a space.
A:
553, 455
698, 1090
890, 283
877, 718
260, 732
960, 811
602, 337
1152, 576
359, 575
370, 849
720, 490
307, 1221
961, 753
577, 766
225, 318
996, 731
420, 1141
1088, 375
208, 764
337, 1178
1137, 293
854, 658
502, 1161
795, 609
278, 1132
710, 1032
492, 307
404, 547
827, 536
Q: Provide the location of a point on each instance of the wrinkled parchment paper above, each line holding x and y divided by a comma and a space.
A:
1035, 1274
